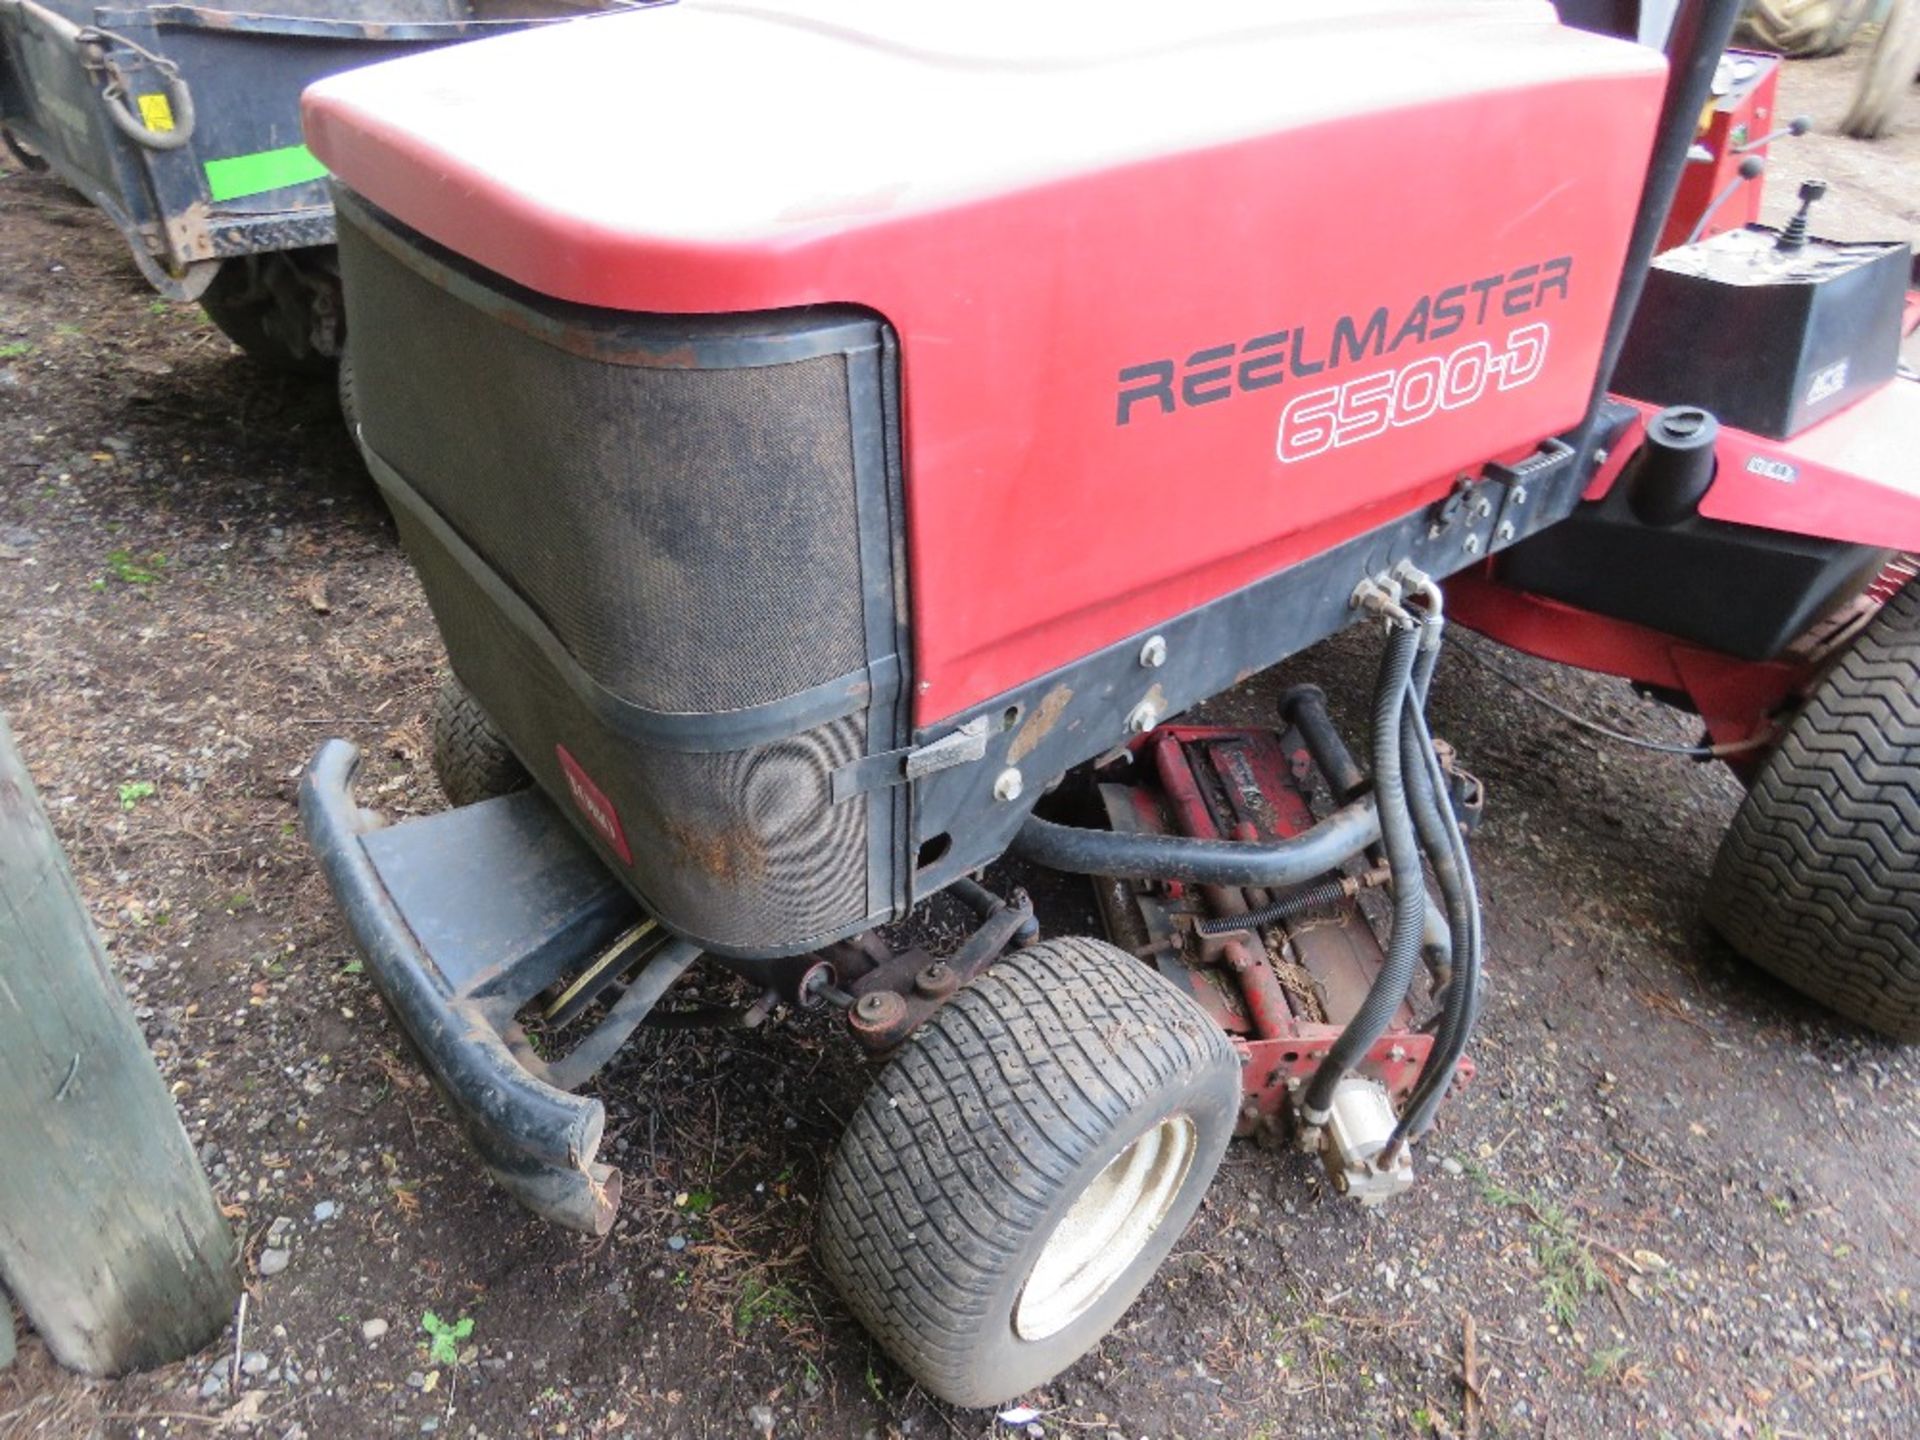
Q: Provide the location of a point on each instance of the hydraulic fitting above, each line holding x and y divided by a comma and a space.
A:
1381, 595
1360, 1122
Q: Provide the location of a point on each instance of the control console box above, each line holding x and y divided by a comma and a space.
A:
1770, 339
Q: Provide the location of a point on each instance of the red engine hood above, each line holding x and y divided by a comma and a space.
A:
1041, 197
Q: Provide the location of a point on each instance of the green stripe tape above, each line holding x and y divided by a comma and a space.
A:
239, 176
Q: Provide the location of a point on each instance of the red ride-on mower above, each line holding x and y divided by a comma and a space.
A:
837, 452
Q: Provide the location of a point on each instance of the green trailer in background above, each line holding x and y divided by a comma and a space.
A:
182, 123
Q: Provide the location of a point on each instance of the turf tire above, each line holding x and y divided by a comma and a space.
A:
1803, 28
349, 397
247, 313
1816, 880
471, 759
976, 1139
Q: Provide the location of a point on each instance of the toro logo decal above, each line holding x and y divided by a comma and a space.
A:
1345, 413
592, 802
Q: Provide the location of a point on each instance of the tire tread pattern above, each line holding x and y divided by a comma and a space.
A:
967, 1136
1817, 881
1803, 28
471, 759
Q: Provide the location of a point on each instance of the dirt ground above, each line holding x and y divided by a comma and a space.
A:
1680, 1200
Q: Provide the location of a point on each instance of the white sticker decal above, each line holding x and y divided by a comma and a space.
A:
1769, 468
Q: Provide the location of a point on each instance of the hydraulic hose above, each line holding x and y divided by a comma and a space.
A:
1440, 930
1280, 864
1445, 843
1436, 935
1429, 655
1305, 708
1440, 838
1436, 830
1409, 882
1463, 993
1435, 839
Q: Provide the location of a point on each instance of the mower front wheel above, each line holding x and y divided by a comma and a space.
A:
1023, 1165
1815, 880
471, 758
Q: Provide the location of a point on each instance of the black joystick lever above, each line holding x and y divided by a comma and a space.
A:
1795, 235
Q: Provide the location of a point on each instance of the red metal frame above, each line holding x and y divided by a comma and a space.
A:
1746, 113
1852, 477
1735, 698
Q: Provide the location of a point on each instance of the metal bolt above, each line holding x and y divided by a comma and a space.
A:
1143, 717
936, 980
1153, 654
1007, 785
878, 1012
1599, 458
1506, 532
1473, 545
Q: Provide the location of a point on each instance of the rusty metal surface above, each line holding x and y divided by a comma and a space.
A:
1153, 913
1173, 764
1267, 1004
898, 993
1038, 725
1283, 1001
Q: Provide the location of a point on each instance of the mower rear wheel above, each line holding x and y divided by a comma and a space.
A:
349, 397
471, 759
1023, 1165
1815, 880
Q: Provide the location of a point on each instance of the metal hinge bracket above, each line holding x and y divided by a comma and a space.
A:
899, 767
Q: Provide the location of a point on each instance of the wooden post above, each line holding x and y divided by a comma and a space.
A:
109, 1236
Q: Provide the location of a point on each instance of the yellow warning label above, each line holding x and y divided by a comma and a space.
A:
156, 112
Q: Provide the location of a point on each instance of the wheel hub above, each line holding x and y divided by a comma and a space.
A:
1100, 1237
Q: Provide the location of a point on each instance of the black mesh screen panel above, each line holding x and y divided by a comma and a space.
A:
690, 535
636, 549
